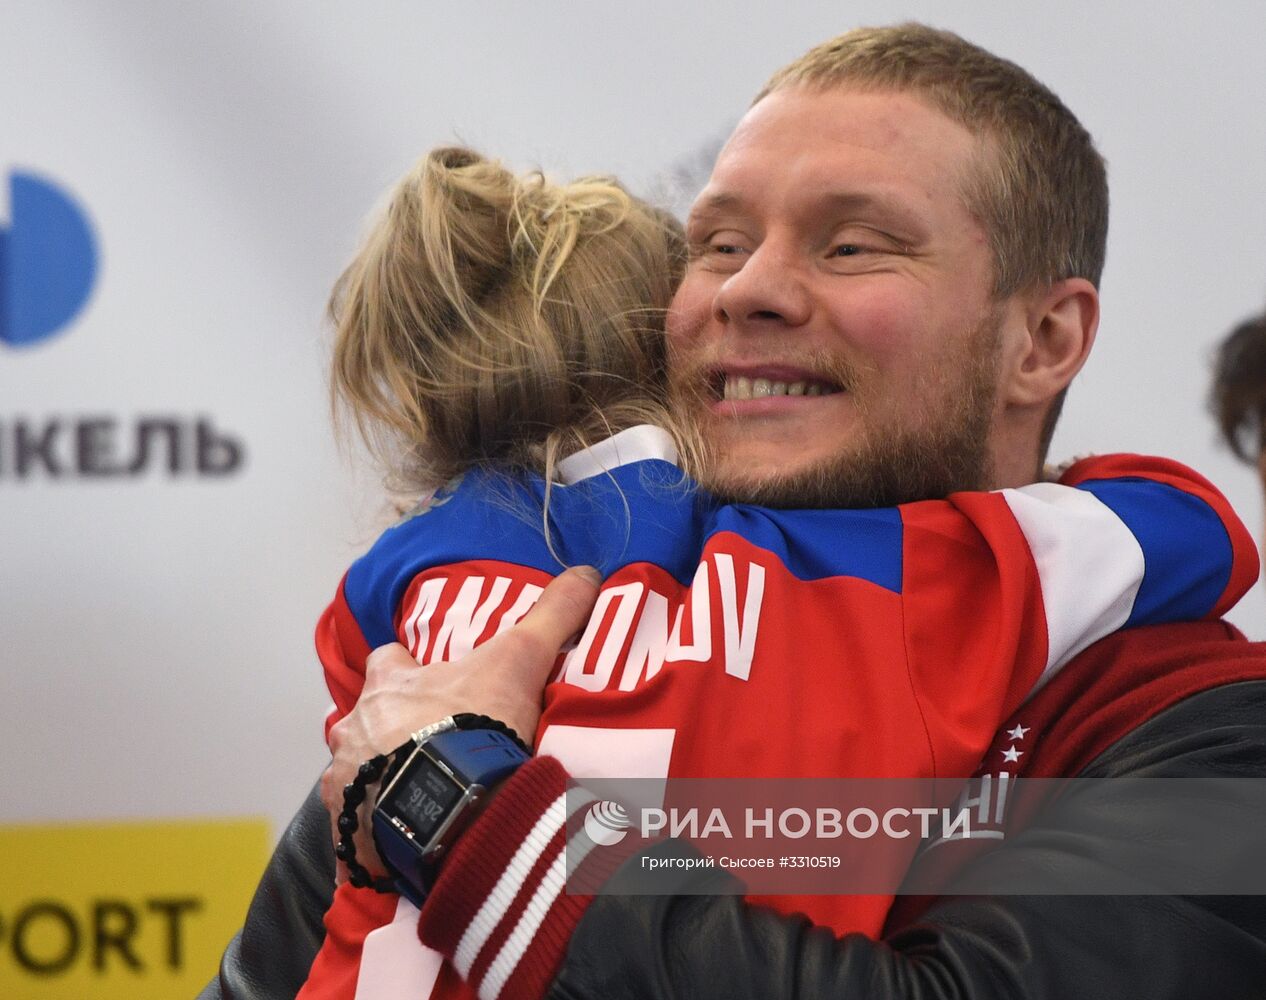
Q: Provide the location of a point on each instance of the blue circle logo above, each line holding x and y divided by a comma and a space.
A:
48, 261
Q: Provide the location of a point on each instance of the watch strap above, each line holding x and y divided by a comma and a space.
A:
479, 756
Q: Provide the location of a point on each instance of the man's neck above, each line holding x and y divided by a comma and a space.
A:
1014, 459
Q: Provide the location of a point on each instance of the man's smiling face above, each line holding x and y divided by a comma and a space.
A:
835, 336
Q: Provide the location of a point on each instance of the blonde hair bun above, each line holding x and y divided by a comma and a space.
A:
491, 317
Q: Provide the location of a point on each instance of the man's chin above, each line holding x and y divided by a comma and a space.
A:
901, 470
811, 487
765, 484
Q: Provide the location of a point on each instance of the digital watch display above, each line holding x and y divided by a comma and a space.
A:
434, 795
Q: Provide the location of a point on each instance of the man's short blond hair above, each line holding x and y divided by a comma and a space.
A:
1043, 199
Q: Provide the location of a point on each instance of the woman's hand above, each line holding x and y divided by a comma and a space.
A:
503, 679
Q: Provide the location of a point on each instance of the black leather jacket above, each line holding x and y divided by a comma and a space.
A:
967, 948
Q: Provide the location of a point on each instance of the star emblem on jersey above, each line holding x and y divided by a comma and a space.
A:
1011, 755
1018, 732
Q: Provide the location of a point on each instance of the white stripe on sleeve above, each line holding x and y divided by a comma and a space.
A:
508, 885
533, 916
1089, 565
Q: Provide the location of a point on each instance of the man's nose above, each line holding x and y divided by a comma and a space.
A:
770, 288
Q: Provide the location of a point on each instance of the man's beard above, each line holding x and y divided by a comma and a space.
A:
945, 450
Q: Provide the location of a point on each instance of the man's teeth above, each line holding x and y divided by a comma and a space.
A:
741, 387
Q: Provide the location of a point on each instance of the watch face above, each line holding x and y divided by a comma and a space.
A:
423, 795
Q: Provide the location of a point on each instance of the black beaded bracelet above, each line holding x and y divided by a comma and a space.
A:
348, 822
371, 772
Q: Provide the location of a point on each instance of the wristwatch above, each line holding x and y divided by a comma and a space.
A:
435, 793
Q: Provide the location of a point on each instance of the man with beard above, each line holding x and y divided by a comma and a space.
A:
913, 231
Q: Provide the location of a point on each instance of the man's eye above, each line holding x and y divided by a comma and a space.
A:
717, 249
718, 255
846, 250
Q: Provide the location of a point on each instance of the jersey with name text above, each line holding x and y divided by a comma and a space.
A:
732, 640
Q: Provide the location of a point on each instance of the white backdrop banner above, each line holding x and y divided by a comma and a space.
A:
180, 185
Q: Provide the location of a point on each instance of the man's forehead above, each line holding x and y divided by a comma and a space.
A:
849, 149
821, 116
844, 147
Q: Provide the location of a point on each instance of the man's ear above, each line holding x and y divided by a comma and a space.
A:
1061, 324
